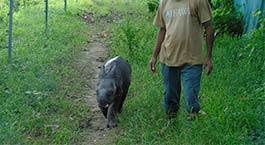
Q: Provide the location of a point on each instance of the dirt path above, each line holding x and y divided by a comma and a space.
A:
89, 62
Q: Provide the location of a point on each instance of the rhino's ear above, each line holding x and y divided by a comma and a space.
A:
112, 68
103, 69
97, 91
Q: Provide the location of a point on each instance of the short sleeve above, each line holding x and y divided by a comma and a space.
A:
204, 11
159, 19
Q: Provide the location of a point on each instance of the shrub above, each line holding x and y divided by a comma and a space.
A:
152, 5
233, 96
226, 18
36, 100
3, 25
21, 3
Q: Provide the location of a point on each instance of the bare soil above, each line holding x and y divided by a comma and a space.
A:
90, 60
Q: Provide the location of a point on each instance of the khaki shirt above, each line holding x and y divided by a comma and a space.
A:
184, 30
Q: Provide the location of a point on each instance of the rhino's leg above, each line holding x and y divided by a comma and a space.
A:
119, 106
112, 122
104, 111
123, 96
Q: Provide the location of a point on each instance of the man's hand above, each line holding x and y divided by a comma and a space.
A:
209, 42
160, 38
152, 64
209, 65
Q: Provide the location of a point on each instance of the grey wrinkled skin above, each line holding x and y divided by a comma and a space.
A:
113, 85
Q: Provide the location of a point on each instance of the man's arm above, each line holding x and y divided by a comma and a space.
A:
209, 42
159, 41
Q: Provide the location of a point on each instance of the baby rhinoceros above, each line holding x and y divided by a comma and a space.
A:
113, 85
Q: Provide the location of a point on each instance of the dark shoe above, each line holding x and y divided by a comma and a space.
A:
202, 112
171, 114
191, 116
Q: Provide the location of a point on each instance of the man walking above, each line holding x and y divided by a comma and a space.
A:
179, 43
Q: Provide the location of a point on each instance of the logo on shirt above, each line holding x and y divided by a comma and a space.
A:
177, 12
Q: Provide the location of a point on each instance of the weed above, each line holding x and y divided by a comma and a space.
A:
233, 96
36, 88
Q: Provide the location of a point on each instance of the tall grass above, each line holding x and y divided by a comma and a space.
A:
233, 96
39, 88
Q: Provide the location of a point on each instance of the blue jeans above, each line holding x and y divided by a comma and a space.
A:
191, 78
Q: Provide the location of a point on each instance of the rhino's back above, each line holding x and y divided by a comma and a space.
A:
118, 68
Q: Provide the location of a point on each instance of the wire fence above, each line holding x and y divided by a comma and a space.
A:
10, 29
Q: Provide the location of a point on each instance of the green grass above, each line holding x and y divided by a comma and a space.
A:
39, 88
233, 96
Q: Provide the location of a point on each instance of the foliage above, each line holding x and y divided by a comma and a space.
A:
226, 18
233, 96
152, 5
3, 24
39, 89
22, 3
126, 39
257, 44
4, 16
